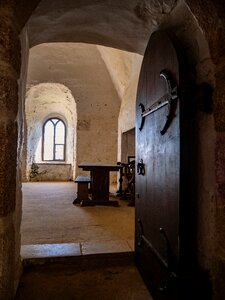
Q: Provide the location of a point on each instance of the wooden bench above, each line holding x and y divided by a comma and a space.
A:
82, 188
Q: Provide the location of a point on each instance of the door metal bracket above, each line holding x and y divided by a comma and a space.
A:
170, 256
170, 266
168, 99
171, 263
141, 167
143, 240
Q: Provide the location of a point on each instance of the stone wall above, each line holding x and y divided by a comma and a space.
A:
211, 17
52, 172
9, 127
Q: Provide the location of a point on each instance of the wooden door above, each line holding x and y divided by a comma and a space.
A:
160, 123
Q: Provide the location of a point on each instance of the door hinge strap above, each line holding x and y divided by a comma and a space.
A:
159, 257
142, 239
168, 99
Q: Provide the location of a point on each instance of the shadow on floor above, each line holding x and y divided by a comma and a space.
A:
91, 277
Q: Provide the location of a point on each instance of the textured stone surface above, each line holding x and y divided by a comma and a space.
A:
206, 190
153, 11
9, 43
220, 163
9, 68
105, 247
7, 256
219, 268
219, 287
97, 22
8, 146
9, 96
43, 252
50, 250
22, 10
54, 172
211, 15
219, 100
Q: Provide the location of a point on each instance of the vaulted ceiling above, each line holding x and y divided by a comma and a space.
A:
125, 24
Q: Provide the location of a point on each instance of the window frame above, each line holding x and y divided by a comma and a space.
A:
54, 140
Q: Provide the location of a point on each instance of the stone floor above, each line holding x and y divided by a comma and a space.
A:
76, 253
51, 224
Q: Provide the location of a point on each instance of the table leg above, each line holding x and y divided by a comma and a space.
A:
100, 185
100, 189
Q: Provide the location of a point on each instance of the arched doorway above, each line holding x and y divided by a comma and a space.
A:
205, 209
97, 108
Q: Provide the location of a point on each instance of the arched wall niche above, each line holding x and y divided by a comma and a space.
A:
44, 101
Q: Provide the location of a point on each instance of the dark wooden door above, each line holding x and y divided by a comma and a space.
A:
158, 176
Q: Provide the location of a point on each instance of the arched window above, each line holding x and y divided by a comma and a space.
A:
54, 140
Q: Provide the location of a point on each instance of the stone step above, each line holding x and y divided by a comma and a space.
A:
38, 254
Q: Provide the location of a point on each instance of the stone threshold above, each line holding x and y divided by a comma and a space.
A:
53, 252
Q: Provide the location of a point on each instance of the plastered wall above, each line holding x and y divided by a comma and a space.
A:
81, 68
124, 68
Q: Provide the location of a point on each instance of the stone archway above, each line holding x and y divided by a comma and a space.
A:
211, 18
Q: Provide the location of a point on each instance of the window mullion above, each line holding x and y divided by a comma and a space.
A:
54, 144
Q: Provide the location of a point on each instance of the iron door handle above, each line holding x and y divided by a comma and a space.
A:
141, 167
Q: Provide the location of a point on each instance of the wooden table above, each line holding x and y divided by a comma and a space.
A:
100, 183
